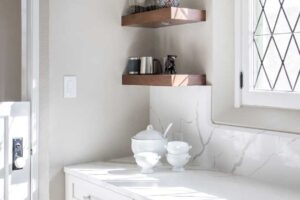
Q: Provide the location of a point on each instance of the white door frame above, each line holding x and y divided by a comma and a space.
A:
32, 66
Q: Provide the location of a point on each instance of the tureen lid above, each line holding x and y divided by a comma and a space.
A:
149, 134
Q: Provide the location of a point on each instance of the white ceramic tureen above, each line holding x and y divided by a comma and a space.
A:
150, 140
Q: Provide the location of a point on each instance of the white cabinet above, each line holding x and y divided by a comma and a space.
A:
78, 189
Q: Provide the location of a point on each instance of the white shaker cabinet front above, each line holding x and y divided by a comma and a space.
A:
78, 189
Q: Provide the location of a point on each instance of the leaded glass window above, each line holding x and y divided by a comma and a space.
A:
276, 50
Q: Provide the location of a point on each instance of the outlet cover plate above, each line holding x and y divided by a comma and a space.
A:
70, 86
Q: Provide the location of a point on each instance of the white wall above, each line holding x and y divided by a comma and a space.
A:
86, 39
10, 50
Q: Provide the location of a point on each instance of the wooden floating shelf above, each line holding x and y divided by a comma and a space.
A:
164, 17
173, 80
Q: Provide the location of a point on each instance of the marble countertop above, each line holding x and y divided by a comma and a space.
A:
124, 177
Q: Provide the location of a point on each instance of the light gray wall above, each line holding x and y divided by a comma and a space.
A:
86, 39
10, 50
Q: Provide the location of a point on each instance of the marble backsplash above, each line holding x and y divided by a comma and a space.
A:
264, 155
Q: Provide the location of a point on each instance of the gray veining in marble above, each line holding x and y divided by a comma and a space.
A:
263, 155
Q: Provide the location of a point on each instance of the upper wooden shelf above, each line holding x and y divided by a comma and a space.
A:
173, 80
164, 17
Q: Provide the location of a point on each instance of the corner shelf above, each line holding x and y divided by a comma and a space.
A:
172, 80
164, 17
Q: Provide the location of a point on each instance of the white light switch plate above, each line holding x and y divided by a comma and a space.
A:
70, 86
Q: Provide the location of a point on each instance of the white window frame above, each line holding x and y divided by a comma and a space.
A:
243, 52
31, 55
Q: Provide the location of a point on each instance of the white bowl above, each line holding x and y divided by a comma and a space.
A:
147, 161
155, 146
178, 161
177, 147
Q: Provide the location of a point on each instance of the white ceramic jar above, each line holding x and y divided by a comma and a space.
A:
178, 161
149, 140
178, 147
147, 161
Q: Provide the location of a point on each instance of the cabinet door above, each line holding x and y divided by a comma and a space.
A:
14, 146
77, 189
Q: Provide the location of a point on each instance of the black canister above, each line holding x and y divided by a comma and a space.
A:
133, 65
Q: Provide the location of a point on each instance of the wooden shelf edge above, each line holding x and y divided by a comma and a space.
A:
175, 80
164, 17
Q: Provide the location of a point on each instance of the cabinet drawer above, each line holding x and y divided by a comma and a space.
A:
83, 190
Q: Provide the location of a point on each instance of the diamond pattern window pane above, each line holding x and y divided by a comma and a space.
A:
262, 43
276, 39
282, 83
292, 61
282, 25
262, 26
262, 81
292, 9
272, 63
282, 40
272, 8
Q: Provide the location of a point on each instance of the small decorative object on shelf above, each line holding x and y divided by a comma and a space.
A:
150, 65
136, 6
144, 65
170, 66
168, 3
151, 5
133, 65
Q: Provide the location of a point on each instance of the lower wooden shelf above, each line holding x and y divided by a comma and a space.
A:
172, 80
